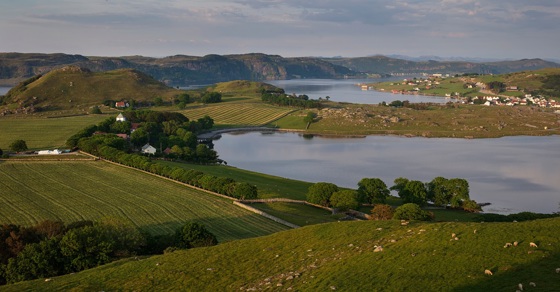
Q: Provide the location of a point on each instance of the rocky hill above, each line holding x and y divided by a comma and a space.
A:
175, 70
385, 65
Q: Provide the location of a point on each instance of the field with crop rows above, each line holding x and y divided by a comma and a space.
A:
43, 133
71, 191
238, 114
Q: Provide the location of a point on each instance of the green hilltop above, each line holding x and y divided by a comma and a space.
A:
342, 256
73, 87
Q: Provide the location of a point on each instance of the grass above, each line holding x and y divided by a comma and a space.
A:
340, 255
237, 113
74, 191
298, 214
269, 186
456, 121
43, 133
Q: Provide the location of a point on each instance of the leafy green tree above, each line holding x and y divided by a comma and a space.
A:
211, 97
139, 137
120, 127
382, 212
459, 191
321, 192
18, 146
206, 122
127, 238
411, 191
194, 234
245, 191
374, 190
344, 200
438, 192
411, 211
37, 260
1, 152
158, 101
87, 247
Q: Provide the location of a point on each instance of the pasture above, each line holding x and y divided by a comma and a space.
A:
89, 190
234, 114
44, 133
342, 256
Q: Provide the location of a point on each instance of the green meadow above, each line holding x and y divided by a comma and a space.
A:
90, 190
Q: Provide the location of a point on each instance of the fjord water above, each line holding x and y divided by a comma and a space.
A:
347, 90
514, 174
4, 90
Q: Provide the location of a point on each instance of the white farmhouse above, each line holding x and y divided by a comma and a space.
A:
121, 118
148, 149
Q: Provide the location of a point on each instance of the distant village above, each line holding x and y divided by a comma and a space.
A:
489, 99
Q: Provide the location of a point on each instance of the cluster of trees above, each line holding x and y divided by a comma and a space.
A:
290, 100
440, 191
496, 86
408, 211
162, 129
407, 104
52, 248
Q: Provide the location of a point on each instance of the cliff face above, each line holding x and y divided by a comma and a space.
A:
175, 70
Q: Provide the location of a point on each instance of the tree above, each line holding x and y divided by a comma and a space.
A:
382, 212
244, 191
344, 200
211, 97
18, 146
309, 118
193, 234
411, 211
471, 206
95, 110
437, 191
321, 192
206, 122
37, 260
1, 152
411, 191
374, 190
139, 137
459, 191
87, 247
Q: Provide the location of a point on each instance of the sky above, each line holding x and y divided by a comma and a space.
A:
508, 29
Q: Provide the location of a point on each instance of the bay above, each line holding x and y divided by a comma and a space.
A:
348, 90
514, 174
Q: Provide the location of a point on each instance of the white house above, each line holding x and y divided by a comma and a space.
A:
148, 149
121, 118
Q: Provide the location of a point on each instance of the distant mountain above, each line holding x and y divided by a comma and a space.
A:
382, 65
175, 70
180, 70
446, 59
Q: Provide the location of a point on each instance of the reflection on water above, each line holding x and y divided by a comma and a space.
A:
347, 90
514, 173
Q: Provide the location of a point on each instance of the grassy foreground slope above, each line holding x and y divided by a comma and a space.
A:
340, 256
73, 191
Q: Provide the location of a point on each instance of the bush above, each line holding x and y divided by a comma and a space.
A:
18, 146
471, 206
411, 211
193, 234
382, 212
95, 110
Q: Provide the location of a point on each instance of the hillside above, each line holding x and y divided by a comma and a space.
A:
341, 256
385, 65
175, 70
73, 87
185, 70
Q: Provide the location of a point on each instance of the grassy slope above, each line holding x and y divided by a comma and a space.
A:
340, 256
43, 133
71, 88
72, 191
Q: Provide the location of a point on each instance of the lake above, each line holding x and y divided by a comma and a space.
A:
347, 90
4, 90
514, 174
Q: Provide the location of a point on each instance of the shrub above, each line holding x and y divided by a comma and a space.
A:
193, 234
382, 212
471, 206
411, 211
18, 146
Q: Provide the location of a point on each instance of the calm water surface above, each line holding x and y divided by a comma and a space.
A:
4, 90
347, 90
514, 173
